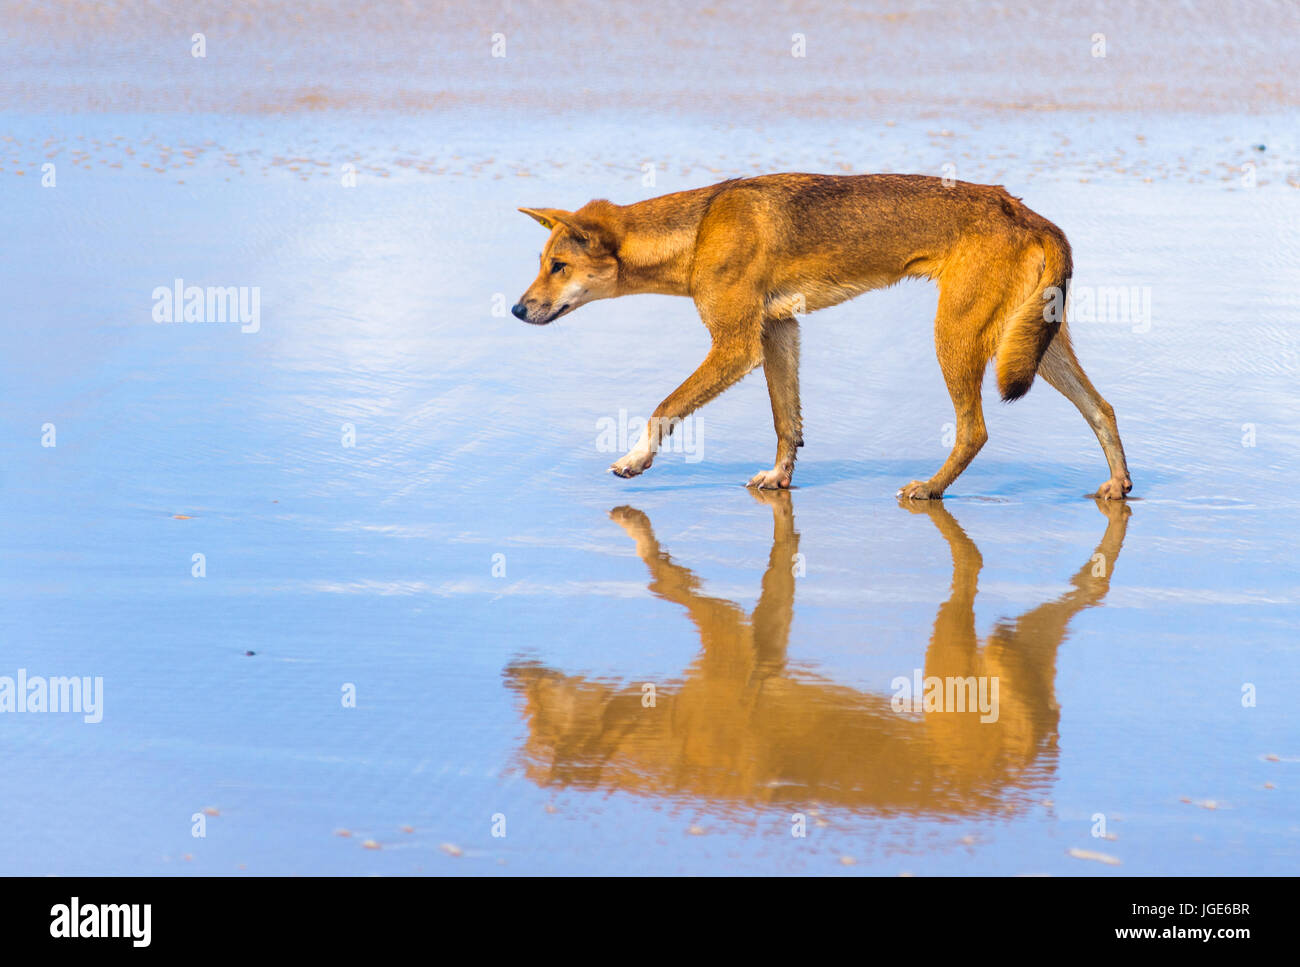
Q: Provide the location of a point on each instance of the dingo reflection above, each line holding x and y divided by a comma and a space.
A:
741, 727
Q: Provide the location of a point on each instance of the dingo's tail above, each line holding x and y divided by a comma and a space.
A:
1035, 322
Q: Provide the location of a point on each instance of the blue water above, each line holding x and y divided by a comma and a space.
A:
459, 567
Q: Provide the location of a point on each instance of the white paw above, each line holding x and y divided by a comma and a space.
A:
634, 463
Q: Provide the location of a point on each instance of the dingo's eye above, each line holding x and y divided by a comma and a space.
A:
557, 267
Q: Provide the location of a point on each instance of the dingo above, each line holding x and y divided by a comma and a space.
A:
754, 253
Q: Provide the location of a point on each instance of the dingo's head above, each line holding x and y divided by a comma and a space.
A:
579, 263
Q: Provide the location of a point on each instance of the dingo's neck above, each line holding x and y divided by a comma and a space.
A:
657, 241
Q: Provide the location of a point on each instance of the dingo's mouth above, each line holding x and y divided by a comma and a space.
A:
553, 316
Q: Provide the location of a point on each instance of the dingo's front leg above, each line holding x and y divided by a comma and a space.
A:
781, 366
725, 364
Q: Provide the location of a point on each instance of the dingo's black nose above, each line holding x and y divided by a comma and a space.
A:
520, 312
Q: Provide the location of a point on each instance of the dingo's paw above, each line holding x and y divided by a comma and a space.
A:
778, 478
634, 463
1115, 489
919, 490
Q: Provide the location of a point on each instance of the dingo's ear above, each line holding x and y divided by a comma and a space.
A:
547, 217
587, 230
550, 217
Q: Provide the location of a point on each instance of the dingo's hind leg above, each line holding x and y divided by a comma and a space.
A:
964, 387
964, 342
1060, 367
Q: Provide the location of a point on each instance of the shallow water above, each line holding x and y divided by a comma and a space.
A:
399, 489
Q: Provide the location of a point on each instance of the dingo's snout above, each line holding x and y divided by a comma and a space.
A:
538, 313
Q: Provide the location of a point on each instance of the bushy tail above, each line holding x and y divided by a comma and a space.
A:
1035, 322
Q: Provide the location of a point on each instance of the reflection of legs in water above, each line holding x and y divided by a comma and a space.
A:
952, 642
1091, 582
775, 608
731, 640
1020, 654
1025, 649
721, 623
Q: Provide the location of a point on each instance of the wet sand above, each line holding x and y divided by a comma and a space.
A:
730, 59
399, 492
